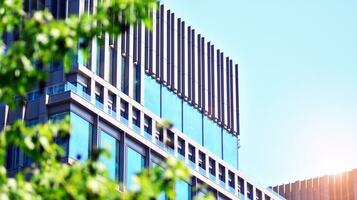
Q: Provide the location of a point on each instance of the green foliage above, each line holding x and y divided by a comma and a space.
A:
42, 40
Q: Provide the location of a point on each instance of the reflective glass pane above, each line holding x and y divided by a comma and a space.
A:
172, 108
79, 138
162, 195
135, 163
183, 190
192, 123
110, 143
230, 151
212, 136
152, 95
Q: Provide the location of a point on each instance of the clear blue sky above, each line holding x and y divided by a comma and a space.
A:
298, 81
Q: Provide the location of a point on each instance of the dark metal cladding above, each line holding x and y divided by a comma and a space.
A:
231, 127
193, 80
209, 80
213, 68
199, 74
189, 67
219, 96
237, 99
151, 53
172, 52
203, 69
227, 93
168, 48
140, 30
161, 42
183, 63
135, 43
222, 88
179, 59
157, 45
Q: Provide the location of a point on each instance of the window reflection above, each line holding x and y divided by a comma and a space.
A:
172, 108
230, 151
152, 95
183, 190
135, 163
192, 123
79, 144
213, 137
110, 143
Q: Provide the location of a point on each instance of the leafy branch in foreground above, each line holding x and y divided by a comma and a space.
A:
24, 62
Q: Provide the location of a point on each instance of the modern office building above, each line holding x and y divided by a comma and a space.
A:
342, 186
129, 86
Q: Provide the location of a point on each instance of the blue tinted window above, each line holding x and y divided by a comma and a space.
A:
110, 143
212, 137
80, 57
171, 108
183, 190
135, 163
62, 141
152, 95
162, 195
192, 123
79, 138
230, 150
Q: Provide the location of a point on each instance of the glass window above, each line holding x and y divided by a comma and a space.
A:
231, 181
32, 122
147, 124
79, 143
152, 95
124, 75
162, 195
212, 137
12, 158
136, 79
100, 56
112, 63
172, 108
81, 57
201, 160
135, 163
240, 185
191, 153
250, 191
212, 167
124, 111
111, 144
221, 173
183, 190
192, 123
62, 141
230, 150
181, 146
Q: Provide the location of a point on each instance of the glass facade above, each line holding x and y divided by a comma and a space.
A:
212, 136
79, 143
124, 75
137, 81
111, 144
183, 190
192, 123
172, 108
100, 56
80, 56
230, 152
135, 163
152, 92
